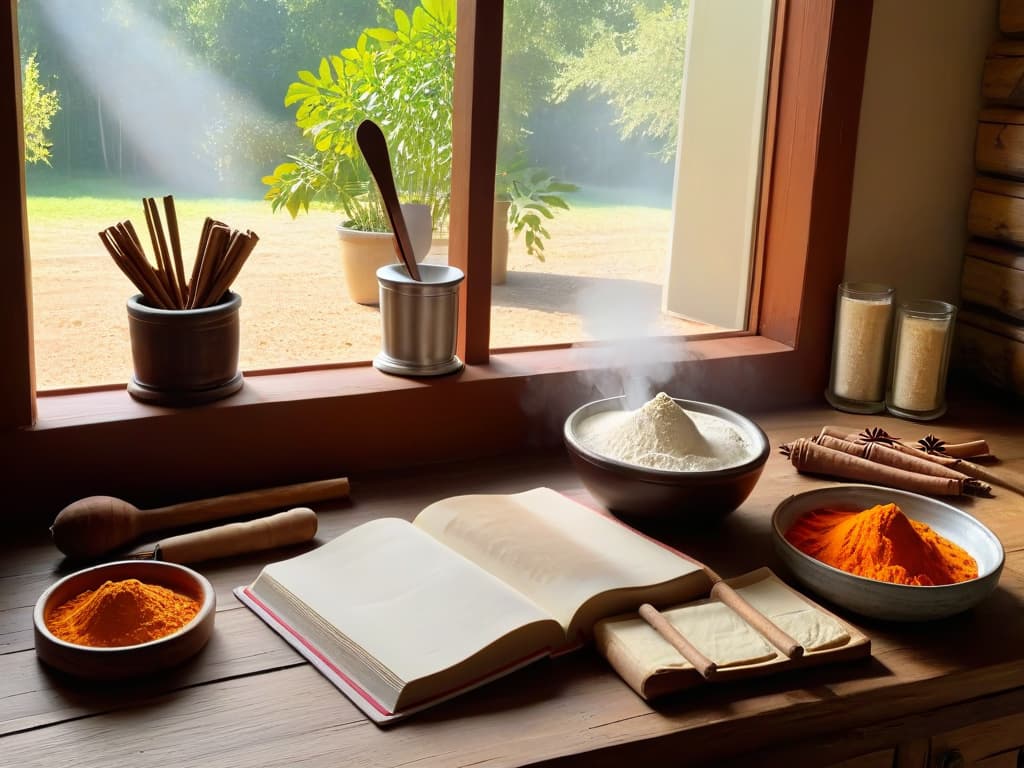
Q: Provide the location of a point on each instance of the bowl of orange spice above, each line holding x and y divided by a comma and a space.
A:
124, 619
885, 553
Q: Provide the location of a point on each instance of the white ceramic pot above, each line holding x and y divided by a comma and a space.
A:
363, 253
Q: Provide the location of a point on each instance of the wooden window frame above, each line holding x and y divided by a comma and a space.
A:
310, 423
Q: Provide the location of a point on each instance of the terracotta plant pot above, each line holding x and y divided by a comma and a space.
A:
184, 356
363, 253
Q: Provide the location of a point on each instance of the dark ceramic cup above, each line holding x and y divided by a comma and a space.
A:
184, 356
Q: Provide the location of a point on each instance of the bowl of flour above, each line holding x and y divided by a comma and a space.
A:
668, 458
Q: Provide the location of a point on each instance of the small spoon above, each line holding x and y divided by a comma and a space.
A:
98, 525
375, 149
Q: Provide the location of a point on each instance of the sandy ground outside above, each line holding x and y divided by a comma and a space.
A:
602, 278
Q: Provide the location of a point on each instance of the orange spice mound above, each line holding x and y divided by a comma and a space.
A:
882, 543
117, 613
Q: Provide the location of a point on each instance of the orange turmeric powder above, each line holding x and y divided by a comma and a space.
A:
117, 613
884, 544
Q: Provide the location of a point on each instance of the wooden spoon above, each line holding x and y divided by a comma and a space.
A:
375, 149
97, 525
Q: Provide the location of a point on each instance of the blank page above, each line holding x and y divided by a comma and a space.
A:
555, 551
411, 603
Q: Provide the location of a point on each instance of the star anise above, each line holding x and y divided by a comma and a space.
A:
932, 444
877, 435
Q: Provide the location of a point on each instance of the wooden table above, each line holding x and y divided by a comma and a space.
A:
929, 695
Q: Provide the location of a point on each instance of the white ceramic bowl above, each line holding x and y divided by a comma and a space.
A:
880, 599
128, 660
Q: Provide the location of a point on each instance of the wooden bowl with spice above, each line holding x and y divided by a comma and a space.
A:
886, 553
124, 619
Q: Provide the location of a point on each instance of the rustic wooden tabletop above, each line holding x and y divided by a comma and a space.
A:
249, 699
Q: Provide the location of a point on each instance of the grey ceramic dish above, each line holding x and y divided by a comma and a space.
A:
879, 599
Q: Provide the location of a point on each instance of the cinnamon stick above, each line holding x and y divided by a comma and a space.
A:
210, 264
978, 474
705, 666
128, 267
220, 255
238, 251
125, 236
966, 450
197, 263
972, 449
156, 235
179, 264
890, 456
810, 457
966, 467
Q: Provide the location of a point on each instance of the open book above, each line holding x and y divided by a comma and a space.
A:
401, 616
653, 667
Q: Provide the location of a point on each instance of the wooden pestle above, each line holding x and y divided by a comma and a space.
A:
279, 530
98, 525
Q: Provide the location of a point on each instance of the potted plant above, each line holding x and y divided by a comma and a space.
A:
401, 79
524, 198
416, 61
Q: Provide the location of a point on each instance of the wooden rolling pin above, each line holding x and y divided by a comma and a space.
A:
98, 525
279, 530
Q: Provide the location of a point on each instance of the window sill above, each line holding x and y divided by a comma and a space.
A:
270, 389
296, 426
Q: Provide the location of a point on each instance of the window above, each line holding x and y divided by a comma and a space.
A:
219, 126
310, 424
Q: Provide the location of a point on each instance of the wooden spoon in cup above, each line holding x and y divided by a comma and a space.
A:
375, 149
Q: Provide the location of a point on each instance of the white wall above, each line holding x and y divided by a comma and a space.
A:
915, 148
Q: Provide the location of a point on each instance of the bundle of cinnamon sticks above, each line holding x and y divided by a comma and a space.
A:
930, 467
219, 258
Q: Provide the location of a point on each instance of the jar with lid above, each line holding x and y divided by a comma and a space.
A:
921, 347
860, 349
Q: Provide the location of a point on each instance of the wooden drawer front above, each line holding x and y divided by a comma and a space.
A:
884, 758
999, 146
1002, 80
982, 350
991, 744
996, 286
996, 210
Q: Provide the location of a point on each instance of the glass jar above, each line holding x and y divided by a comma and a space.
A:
921, 347
860, 348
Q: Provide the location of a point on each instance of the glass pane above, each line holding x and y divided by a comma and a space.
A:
588, 146
187, 98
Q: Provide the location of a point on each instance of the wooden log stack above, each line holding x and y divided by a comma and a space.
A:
990, 326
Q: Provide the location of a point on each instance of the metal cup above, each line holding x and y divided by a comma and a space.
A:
419, 320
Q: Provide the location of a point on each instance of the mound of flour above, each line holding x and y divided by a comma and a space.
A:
661, 435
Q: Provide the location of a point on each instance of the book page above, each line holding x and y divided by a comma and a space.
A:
562, 555
408, 602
